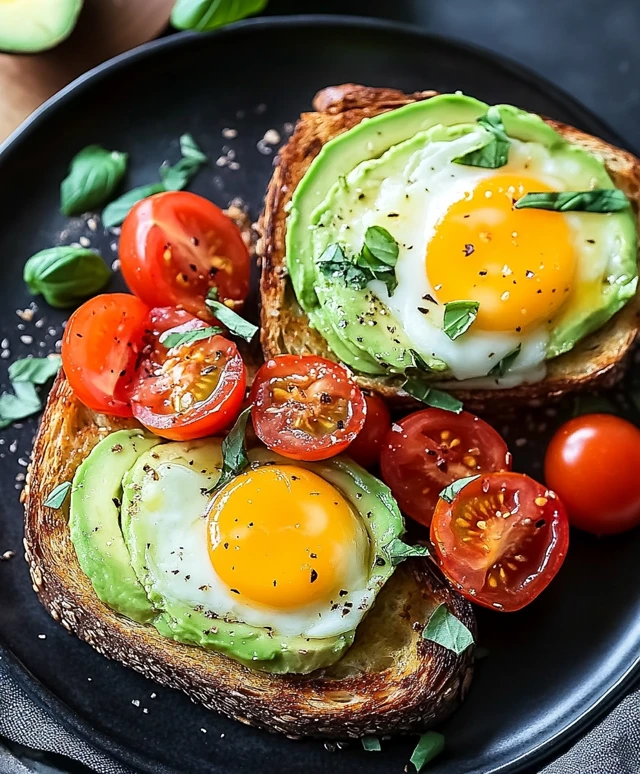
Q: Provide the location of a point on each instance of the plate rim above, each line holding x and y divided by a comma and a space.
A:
36, 690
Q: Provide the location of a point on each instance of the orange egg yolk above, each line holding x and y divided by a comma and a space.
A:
518, 264
282, 536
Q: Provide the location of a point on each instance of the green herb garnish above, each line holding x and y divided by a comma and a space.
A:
447, 630
22, 403
334, 264
57, 496
65, 275
36, 370
177, 177
114, 213
236, 324
458, 317
371, 743
204, 15
178, 338
597, 200
190, 149
430, 745
399, 551
495, 152
379, 243
430, 396
501, 368
93, 176
449, 492
234, 451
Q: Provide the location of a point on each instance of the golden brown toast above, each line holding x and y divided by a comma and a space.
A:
597, 359
390, 681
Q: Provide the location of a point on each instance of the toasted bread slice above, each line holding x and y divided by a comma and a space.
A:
596, 360
390, 681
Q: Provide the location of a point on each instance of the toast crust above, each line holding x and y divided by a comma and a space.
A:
391, 680
596, 361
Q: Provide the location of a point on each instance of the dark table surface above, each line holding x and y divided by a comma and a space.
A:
587, 47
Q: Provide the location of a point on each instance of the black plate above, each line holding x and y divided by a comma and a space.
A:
553, 669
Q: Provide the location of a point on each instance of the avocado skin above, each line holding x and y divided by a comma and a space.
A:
31, 26
94, 523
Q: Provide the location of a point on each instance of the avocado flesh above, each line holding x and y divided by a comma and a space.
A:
189, 622
94, 523
29, 26
358, 326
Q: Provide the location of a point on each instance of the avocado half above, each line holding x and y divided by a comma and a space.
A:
29, 26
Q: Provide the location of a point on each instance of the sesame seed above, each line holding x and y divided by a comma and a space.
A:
85, 241
272, 137
135, 702
92, 224
229, 134
42, 636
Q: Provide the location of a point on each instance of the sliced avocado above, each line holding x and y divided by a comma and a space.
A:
166, 489
94, 525
28, 26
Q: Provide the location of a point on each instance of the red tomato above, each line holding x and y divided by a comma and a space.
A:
189, 390
430, 449
306, 407
593, 462
175, 246
100, 347
365, 450
502, 539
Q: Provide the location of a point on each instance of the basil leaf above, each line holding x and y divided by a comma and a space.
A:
447, 630
204, 15
58, 495
334, 264
114, 213
65, 275
449, 492
418, 361
431, 396
371, 743
596, 200
36, 370
93, 176
501, 368
177, 338
381, 245
430, 745
179, 176
399, 551
20, 404
236, 325
495, 152
234, 451
458, 317
190, 149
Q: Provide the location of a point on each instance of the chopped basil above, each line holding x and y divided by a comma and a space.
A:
447, 630
236, 325
65, 275
177, 177
495, 152
431, 396
375, 261
458, 317
381, 245
430, 745
190, 149
334, 264
36, 370
93, 176
449, 492
178, 338
203, 15
234, 451
371, 743
114, 213
418, 361
57, 496
501, 368
399, 551
596, 200
22, 403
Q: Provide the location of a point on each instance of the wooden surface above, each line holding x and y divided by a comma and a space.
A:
105, 28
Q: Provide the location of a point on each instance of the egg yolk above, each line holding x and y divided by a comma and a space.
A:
518, 264
282, 536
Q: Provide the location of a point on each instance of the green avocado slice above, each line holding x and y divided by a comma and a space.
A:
28, 26
94, 525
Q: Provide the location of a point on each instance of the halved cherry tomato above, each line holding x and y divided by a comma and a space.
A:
501, 540
100, 347
593, 463
306, 407
175, 246
189, 390
428, 450
365, 450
